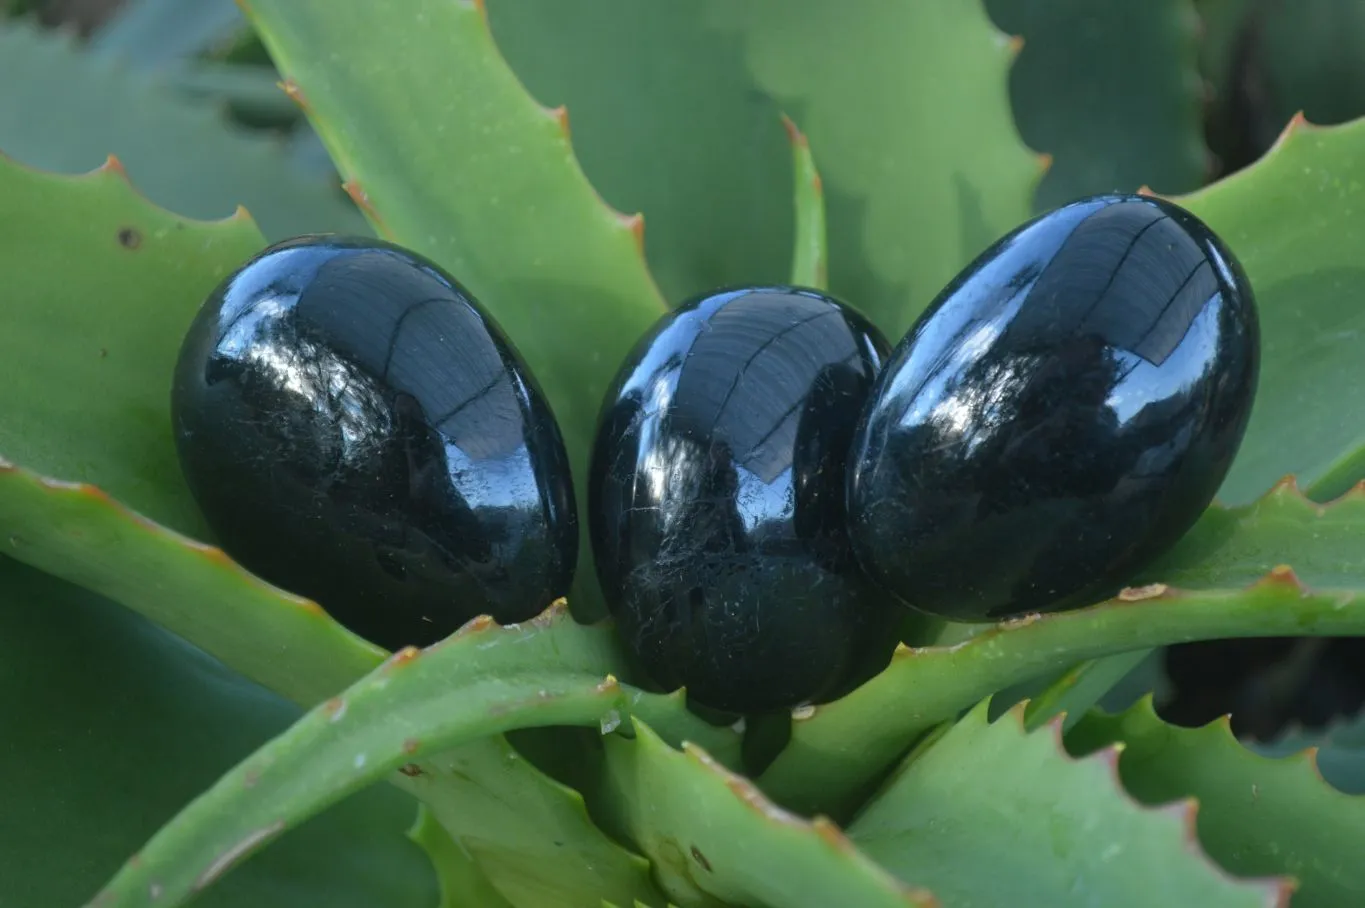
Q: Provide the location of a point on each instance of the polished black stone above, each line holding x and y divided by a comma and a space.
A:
717, 500
1060, 415
358, 431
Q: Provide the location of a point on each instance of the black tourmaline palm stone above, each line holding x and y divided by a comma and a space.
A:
1060, 415
358, 431
717, 500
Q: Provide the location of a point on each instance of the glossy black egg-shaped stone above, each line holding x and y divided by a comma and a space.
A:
357, 430
717, 500
1060, 415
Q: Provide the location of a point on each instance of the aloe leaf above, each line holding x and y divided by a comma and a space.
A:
1296, 220
667, 121
809, 257
115, 323
917, 181
1338, 748
1257, 816
1230, 577
481, 681
1111, 92
462, 883
1050, 829
64, 110
1078, 689
713, 836
153, 33
451, 157
111, 724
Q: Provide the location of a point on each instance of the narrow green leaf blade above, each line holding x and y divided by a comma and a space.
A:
994, 815
1110, 91
907, 110
111, 724
1227, 578
1257, 816
809, 257
713, 835
153, 33
480, 682
451, 157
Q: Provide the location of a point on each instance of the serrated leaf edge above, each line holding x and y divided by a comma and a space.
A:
1279, 890
634, 224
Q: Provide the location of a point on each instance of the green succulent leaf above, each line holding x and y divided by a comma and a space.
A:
907, 110
479, 682
1257, 816
1227, 578
113, 324
1110, 91
461, 881
471, 171
809, 257
1296, 220
667, 121
1339, 749
713, 835
155, 33
66, 111
111, 725
1052, 830
1078, 689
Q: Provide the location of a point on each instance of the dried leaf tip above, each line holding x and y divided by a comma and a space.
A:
794, 135
560, 115
635, 223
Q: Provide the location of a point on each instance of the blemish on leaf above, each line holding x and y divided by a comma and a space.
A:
362, 201
831, 834
701, 859
291, 88
404, 657
225, 860
250, 778
410, 745
802, 713
129, 237
411, 770
335, 708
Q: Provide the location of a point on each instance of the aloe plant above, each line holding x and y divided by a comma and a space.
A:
176, 729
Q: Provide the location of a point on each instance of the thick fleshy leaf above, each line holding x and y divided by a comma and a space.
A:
1227, 578
667, 122
1339, 749
481, 681
1110, 91
1257, 816
111, 725
1296, 220
907, 109
451, 157
991, 814
65, 110
107, 331
713, 835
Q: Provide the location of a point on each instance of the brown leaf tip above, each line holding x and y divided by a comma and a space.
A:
1142, 593
794, 135
1015, 45
635, 223
555, 613
476, 625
